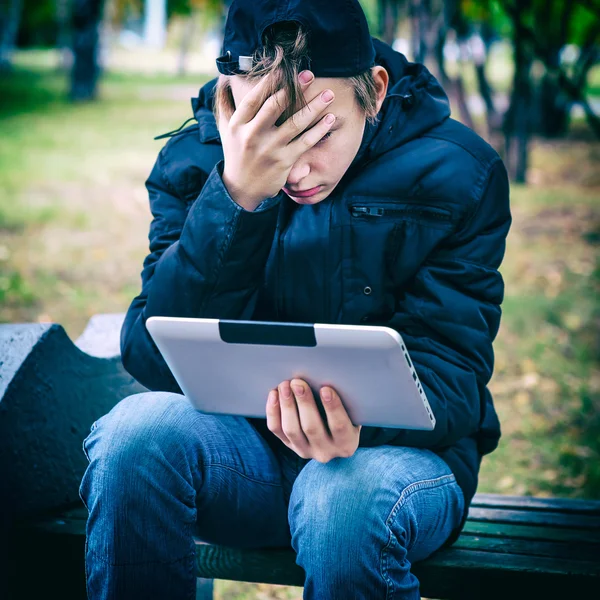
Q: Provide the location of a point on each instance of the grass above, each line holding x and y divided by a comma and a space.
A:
73, 210
73, 234
546, 380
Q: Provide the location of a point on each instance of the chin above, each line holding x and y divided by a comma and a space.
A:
314, 200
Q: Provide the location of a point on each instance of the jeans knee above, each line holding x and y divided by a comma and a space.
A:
330, 509
139, 432
349, 502
136, 424
364, 519
139, 485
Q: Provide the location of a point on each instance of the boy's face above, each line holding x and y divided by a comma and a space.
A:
324, 165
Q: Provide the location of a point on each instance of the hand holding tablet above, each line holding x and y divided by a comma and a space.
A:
293, 416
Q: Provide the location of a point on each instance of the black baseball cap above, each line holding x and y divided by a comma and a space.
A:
340, 44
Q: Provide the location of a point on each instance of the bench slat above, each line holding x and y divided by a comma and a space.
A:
496, 523
276, 566
527, 532
493, 535
456, 574
553, 519
460, 558
563, 505
572, 551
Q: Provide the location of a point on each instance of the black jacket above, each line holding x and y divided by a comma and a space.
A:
429, 255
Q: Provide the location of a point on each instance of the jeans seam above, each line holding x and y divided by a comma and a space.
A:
84, 448
272, 483
405, 494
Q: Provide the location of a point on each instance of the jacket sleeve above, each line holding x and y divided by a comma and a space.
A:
449, 317
205, 261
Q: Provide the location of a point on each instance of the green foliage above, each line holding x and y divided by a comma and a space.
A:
583, 21
487, 12
371, 12
546, 18
121, 10
14, 290
38, 25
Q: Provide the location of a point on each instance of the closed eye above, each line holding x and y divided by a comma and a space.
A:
325, 137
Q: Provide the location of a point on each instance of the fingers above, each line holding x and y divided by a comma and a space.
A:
295, 419
275, 105
271, 110
302, 119
311, 421
274, 416
251, 102
290, 420
338, 421
311, 137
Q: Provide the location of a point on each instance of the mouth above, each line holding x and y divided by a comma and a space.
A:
302, 193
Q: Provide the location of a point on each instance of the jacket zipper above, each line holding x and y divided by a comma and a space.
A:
416, 210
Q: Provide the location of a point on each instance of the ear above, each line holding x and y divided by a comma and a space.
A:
382, 79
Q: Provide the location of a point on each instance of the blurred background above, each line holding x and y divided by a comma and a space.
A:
85, 85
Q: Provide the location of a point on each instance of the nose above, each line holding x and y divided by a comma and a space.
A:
299, 172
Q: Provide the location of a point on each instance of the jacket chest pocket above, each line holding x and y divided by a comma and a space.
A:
416, 212
386, 244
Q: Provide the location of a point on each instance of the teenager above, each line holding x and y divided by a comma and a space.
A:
390, 213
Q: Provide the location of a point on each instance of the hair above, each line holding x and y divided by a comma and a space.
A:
284, 50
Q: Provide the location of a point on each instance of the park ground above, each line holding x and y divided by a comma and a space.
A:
73, 234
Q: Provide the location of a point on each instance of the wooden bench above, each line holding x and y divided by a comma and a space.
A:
51, 391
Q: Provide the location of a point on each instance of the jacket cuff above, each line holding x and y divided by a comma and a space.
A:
264, 205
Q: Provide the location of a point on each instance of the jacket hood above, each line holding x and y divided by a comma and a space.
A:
415, 103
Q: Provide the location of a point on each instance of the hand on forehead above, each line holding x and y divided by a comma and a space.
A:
342, 105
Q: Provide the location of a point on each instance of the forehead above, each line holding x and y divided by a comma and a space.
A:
344, 102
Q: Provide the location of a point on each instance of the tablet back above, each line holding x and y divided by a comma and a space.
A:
228, 367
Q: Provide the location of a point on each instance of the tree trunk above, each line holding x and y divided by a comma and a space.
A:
86, 70
63, 37
554, 107
479, 51
155, 23
517, 118
388, 19
10, 19
423, 28
187, 37
460, 95
455, 88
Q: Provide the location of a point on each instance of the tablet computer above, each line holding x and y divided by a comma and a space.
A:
229, 367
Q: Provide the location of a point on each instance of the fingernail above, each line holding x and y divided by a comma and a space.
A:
273, 397
285, 390
298, 390
327, 95
326, 394
329, 119
305, 76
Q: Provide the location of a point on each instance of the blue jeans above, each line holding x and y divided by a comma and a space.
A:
161, 473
